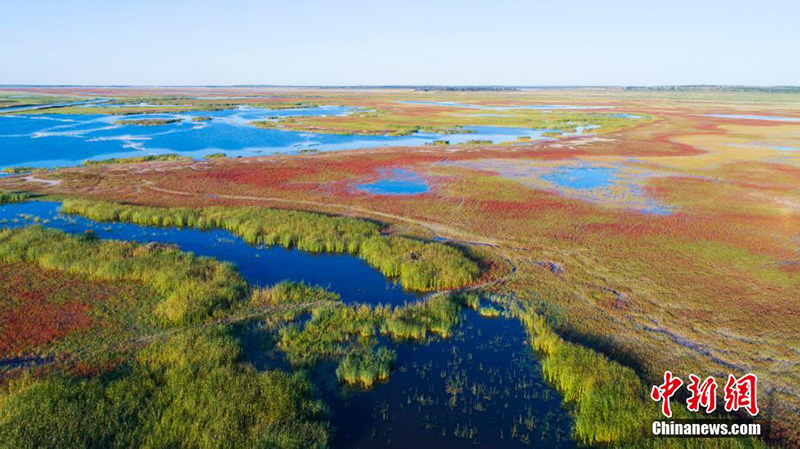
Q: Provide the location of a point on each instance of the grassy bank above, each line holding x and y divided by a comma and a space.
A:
147, 122
416, 265
13, 197
192, 288
609, 401
138, 159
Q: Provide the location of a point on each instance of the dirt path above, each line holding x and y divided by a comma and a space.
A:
439, 229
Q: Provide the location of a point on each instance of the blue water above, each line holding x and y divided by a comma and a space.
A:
782, 148
499, 383
82, 103
756, 117
506, 108
53, 140
582, 177
470, 390
396, 182
349, 276
625, 115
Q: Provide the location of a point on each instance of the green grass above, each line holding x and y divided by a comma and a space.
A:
364, 367
609, 401
16, 170
147, 122
291, 292
402, 122
187, 391
416, 265
138, 159
13, 197
192, 287
489, 312
336, 331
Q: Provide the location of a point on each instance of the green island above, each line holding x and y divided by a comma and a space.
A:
147, 122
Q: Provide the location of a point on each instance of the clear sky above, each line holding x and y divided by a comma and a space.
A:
342, 42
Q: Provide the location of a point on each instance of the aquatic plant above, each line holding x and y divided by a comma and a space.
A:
611, 404
489, 312
292, 292
438, 315
13, 197
16, 170
364, 367
415, 264
334, 331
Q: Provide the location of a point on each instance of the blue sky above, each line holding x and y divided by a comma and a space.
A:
345, 42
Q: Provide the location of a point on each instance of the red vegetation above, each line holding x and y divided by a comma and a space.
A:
39, 307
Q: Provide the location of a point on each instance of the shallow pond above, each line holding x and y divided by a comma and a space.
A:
396, 182
582, 177
481, 386
53, 140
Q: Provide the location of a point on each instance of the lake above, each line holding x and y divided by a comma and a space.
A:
57, 140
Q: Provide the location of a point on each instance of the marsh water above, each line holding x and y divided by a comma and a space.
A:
482, 385
56, 140
348, 276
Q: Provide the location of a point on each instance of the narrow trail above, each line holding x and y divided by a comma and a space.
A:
457, 235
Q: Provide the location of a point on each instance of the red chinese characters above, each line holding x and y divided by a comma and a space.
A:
703, 395
665, 391
741, 393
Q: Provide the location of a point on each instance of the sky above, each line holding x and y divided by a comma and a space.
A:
447, 42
